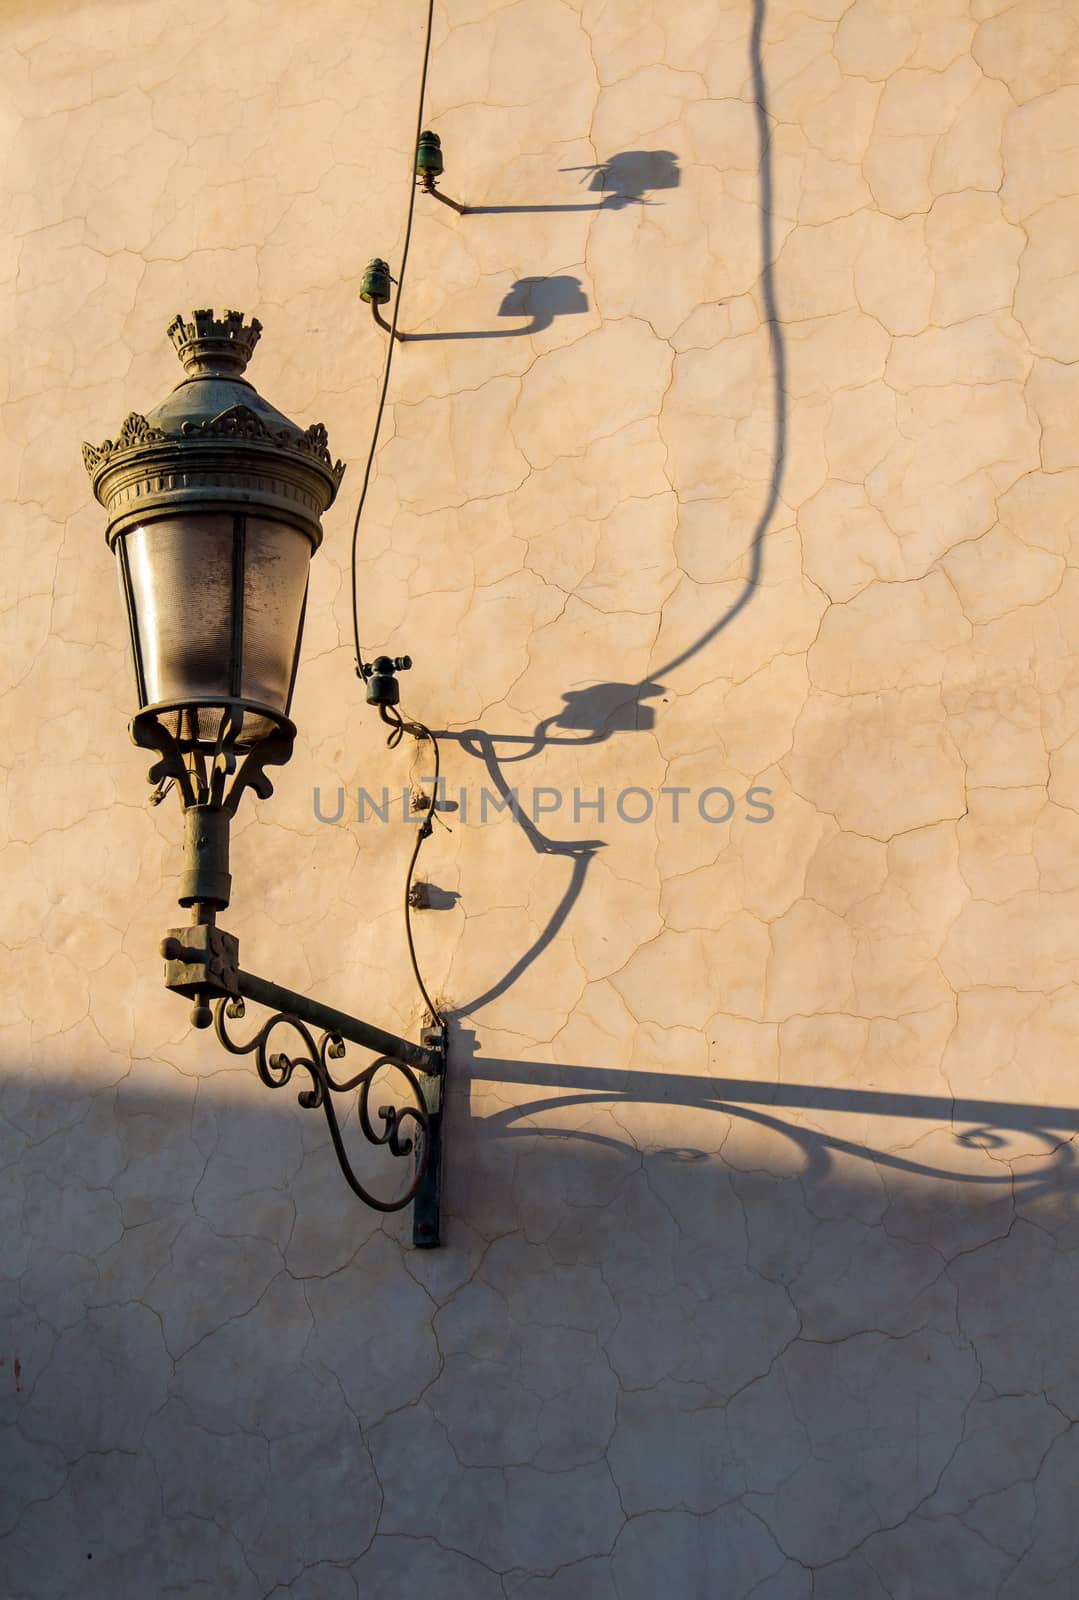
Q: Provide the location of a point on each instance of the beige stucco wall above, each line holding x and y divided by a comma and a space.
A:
760, 1270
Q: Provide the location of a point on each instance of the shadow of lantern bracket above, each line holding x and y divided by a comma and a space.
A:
214, 502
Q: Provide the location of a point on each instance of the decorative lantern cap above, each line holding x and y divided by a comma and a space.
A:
214, 347
214, 444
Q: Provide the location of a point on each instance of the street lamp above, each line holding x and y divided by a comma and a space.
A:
214, 503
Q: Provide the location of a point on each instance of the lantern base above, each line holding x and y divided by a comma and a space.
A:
202, 772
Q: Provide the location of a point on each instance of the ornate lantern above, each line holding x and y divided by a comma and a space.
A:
214, 501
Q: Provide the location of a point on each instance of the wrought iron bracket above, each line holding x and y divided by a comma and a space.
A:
202, 963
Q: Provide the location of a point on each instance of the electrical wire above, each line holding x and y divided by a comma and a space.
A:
398, 728
392, 339
393, 719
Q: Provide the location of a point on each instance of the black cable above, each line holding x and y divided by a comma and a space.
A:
392, 339
398, 728
393, 719
394, 722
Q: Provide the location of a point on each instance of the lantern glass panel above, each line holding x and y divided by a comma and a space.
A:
181, 573
276, 562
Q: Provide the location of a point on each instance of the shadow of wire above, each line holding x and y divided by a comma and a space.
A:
603, 709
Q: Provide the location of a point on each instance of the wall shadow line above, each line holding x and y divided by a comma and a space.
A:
592, 711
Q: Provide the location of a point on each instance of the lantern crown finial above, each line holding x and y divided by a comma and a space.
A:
214, 347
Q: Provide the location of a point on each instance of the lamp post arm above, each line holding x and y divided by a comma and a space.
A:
263, 993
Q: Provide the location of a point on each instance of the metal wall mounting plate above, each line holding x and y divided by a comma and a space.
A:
426, 1208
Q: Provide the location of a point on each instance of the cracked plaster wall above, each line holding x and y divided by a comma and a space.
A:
761, 1270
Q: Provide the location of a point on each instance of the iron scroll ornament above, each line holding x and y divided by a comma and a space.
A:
276, 1070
